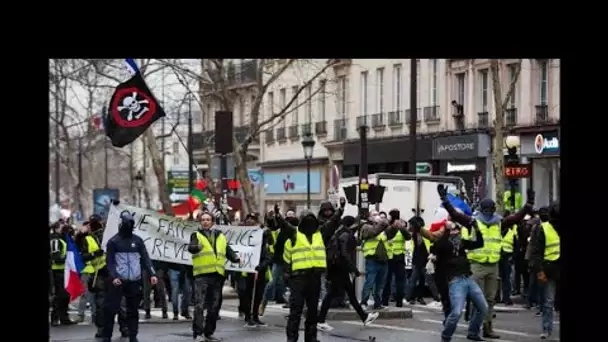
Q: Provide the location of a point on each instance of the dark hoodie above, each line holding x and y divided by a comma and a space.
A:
324, 219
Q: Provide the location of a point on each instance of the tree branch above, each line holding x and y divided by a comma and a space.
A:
512, 83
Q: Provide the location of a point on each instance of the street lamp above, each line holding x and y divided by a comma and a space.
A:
512, 143
139, 184
308, 144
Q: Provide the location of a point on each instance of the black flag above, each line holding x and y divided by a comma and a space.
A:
132, 110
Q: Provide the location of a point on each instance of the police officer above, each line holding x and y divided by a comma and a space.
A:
305, 261
61, 299
210, 250
127, 259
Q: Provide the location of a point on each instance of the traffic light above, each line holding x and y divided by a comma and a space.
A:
375, 193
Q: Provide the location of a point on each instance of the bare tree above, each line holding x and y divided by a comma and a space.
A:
76, 93
220, 82
500, 105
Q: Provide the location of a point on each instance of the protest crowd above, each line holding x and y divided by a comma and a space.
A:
308, 260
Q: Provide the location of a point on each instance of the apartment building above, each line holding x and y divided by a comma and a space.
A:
455, 115
310, 102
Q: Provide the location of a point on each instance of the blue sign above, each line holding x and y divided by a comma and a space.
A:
102, 198
293, 182
255, 176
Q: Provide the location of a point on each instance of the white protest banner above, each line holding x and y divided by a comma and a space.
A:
166, 238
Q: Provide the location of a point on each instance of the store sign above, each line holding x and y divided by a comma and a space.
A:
546, 144
518, 171
292, 182
461, 146
461, 168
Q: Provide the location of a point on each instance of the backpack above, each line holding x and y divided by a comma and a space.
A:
333, 248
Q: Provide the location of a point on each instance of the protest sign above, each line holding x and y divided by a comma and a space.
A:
166, 238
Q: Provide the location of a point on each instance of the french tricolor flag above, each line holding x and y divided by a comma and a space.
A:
73, 267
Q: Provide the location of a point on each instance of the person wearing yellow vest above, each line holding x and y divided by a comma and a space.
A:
252, 285
508, 201
61, 299
305, 261
484, 261
275, 288
376, 251
508, 246
397, 235
545, 258
209, 249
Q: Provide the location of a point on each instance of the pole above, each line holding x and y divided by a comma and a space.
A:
413, 113
145, 166
363, 202
308, 183
105, 151
139, 197
190, 156
132, 173
79, 188
224, 175
57, 91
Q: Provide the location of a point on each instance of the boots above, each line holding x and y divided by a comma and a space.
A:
488, 332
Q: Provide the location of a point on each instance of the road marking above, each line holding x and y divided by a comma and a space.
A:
390, 327
508, 332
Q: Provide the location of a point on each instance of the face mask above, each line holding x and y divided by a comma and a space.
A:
125, 229
292, 220
544, 217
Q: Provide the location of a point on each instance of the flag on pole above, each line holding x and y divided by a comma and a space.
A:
133, 108
73, 268
459, 203
197, 197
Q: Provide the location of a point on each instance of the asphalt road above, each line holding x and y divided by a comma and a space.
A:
517, 326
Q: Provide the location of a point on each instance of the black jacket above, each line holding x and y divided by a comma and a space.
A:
347, 253
327, 230
537, 259
451, 263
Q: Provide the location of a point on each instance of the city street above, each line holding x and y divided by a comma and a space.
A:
514, 326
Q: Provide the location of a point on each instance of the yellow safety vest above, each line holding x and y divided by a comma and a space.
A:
208, 261
398, 244
490, 252
507, 240
275, 234
552, 250
370, 245
97, 263
507, 200
64, 248
304, 255
427, 244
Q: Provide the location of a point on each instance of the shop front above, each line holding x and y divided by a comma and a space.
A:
542, 151
288, 187
466, 156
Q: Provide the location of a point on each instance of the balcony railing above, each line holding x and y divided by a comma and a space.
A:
511, 117
483, 120
307, 129
542, 114
340, 129
293, 132
408, 116
394, 119
321, 128
269, 136
378, 123
361, 120
431, 114
281, 137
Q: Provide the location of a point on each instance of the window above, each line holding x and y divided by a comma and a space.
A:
418, 82
176, 153
342, 95
542, 72
397, 87
270, 109
380, 90
364, 93
511, 75
308, 103
296, 106
483, 75
282, 101
322, 86
241, 111
460, 87
433, 92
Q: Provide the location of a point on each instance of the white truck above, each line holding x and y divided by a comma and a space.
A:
409, 193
